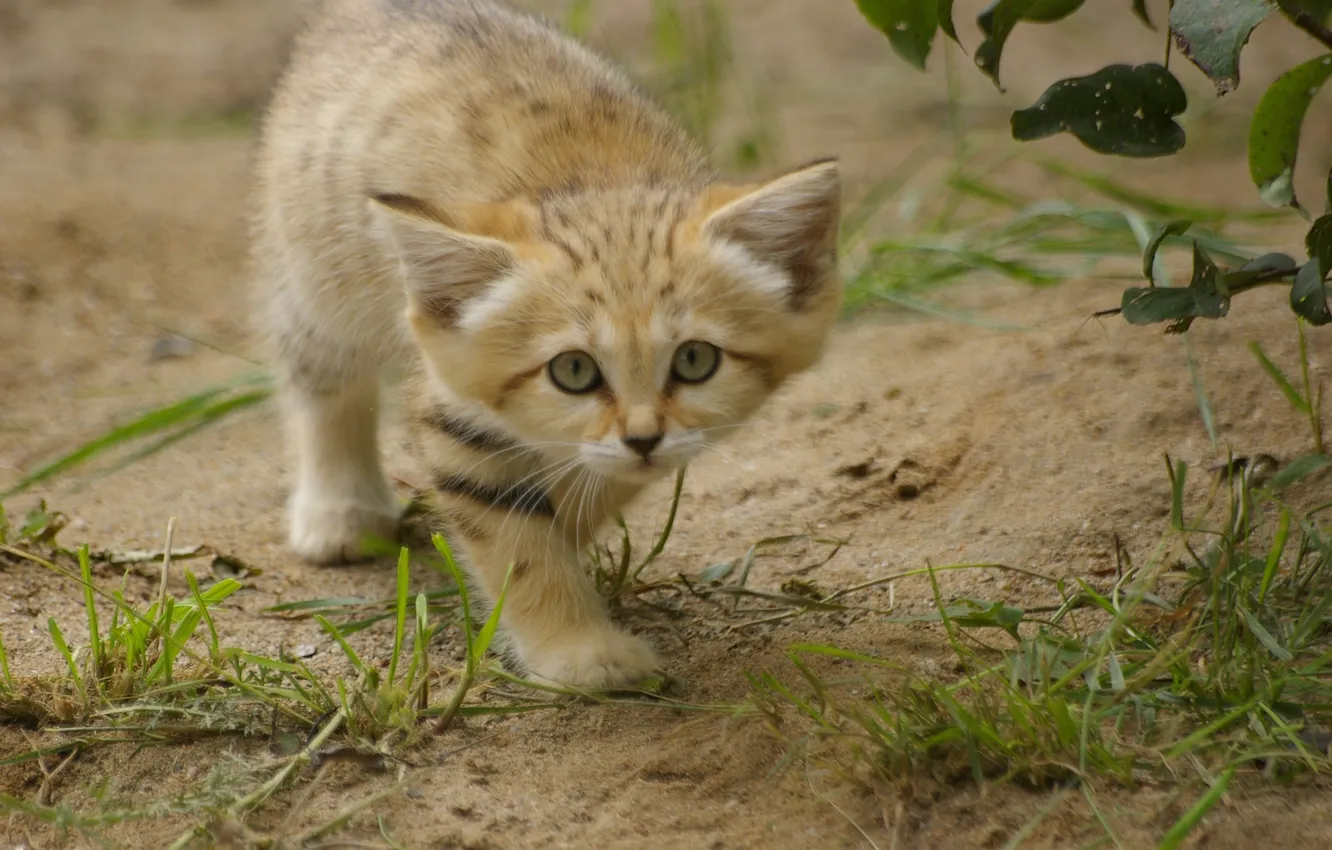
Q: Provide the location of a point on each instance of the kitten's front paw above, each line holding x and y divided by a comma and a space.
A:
598, 658
325, 532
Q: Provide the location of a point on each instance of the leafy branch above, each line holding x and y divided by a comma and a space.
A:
1308, 21
1130, 111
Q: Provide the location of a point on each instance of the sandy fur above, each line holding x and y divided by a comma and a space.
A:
458, 185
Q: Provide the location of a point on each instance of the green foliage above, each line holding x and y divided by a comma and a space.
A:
909, 25
160, 674
1211, 287
1129, 111
1274, 135
998, 21
1121, 109
1211, 33
968, 224
1212, 657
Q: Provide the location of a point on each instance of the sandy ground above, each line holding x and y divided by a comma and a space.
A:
123, 153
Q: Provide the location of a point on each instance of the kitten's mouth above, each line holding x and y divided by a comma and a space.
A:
642, 472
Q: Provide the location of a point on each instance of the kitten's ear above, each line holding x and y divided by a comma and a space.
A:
790, 222
445, 267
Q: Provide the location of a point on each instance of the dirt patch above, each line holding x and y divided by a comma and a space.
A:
124, 147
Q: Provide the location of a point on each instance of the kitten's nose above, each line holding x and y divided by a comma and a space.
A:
643, 445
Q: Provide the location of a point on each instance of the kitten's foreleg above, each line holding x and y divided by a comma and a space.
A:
555, 621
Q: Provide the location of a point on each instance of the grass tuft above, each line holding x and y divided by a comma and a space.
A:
153, 675
1210, 661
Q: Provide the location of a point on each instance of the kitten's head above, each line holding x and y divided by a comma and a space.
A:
627, 328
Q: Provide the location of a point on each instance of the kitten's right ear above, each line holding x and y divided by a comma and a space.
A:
444, 268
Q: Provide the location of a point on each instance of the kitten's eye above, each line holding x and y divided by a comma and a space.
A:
575, 372
695, 362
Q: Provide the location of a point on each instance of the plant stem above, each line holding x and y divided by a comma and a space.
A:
266, 790
660, 545
1314, 398
455, 702
1311, 25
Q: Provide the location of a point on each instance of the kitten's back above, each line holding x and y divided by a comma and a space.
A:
460, 100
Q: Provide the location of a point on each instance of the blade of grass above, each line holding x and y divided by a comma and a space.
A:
481, 646
1279, 378
1175, 836
213, 641
1200, 392
90, 609
6, 677
400, 611
154, 421
58, 638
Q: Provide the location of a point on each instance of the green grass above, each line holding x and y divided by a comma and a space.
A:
154, 430
160, 674
1209, 661
934, 223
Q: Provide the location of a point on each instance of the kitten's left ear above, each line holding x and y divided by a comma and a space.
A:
790, 222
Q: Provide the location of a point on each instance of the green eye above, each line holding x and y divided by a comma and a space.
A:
695, 362
575, 372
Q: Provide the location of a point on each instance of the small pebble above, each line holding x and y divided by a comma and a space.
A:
170, 348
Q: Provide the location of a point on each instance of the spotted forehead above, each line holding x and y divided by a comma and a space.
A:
621, 245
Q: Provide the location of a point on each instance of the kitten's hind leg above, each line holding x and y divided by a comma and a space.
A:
341, 496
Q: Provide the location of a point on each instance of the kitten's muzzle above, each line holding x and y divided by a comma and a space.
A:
643, 446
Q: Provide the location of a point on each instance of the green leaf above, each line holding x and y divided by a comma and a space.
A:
1318, 241
946, 19
1149, 305
1213, 32
1274, 134
999, 18
970, 613
1204, 298
1320, 10
1047, 11
1178, 227
1269, 267
1308, 297
1299, 469
1123, 110
1267, 264
909, 24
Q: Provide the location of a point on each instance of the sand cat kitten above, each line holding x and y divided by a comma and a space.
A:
457, 182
